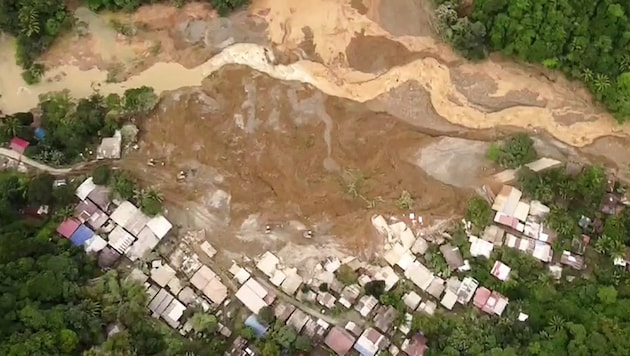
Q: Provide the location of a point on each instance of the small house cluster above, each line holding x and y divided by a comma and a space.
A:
111, 228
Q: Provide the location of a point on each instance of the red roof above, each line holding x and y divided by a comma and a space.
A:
19, 144
481, 297
417, 346
68, 227
339, 340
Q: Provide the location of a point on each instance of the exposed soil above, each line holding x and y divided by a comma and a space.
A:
401, 17
285, 151
377, 54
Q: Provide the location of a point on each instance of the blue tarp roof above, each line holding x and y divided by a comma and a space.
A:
80, 236
259, 329
40, 133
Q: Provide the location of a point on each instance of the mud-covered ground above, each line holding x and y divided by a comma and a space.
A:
312, 115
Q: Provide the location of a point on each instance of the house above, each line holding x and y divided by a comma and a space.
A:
326, 299
349, 295
120, 239
68, 227
611, 204
100, 196
174, 313
124, 213
19, 145
209, 284
292, 282
494, 235
411, 300
339, 341
370, 342
353, 328
538, 209
144, 244
365, 305
419, 275
137, 222
384, 318
420, 247
252, 295
240, 274
507, 201
578, 245
81, 235
162, 275
466, 290
187, 296
88, 213
110, 147
94, 244
501, 271
573, 261
449, 299
159, 225
509, 221
436, 287
298, 319
415, 346
108, 257
268, 263
283, 311
277, 278
490, 302
394, 254
401, 232
479, 247
452, 256
160, 302
387, 275
207, 248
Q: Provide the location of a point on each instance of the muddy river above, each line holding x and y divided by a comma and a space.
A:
321, 112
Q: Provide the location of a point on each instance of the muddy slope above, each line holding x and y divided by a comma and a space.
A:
286, 151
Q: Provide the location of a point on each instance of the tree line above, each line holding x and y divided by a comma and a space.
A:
36, 24
587, 40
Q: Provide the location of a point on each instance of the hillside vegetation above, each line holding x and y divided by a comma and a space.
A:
587, 40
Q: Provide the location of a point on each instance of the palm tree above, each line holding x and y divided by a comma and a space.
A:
624, 63
154, 194
29, 21
601, 82
11, 126
556, 323
587, 75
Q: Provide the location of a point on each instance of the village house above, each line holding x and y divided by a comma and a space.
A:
420, 275
339, 341
365, 305
353, 328
501, 271
412, 300
571, 260
494, 235
480, 247
466, 290
349, 295
283, 311
415, 346
384, 318
387, 275
453, 256
110, 147
267, 264
371, 342
298, 319
253, 295
489, 302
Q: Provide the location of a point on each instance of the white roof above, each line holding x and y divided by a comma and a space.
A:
388, 275
380, 224
250, 298
256, 287
542, 251
277, 278
95, 244
511, 241
160, 226
216, 291
292, 282
239, 273
176, 310
411, 300
207, 248
124, 213
419, 275
365, 344
420, 246
162, 275
268, 263
110, 147
480, 247
501, 270
120, 239
406, 259
145, 243
449, 299
393, 255
537, 208
85, 189
401, 232
467, 290
521, 211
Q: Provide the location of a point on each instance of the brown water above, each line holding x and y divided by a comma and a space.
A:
330, 82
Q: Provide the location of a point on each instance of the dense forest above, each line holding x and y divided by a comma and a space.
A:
587, 40
36, 23
55, 301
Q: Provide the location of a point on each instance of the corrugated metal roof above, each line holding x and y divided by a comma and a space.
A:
85, 189
124, 213
68, 227
160, 226
120, 239
81, 235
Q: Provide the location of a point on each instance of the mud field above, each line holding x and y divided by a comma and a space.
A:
312, 115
